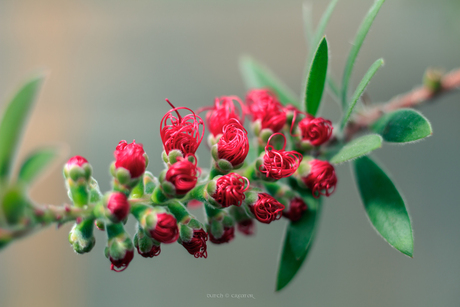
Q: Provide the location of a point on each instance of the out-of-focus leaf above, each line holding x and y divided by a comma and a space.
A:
357, 148
316, 78
13, 204
13, 122
384, 205
360, 90
356, 46
256, 75
35, 163
401, 126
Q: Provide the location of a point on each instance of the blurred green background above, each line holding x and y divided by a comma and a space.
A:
112, 63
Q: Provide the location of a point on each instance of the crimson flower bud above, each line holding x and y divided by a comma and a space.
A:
233, 146
131, 157
197, 244
181, 133
122, 262
77, 172
246, 227
227, 236
321, 179
223, 110
266, 109
266, 209
296, 209
315, 131
165, 229
183, 175
146, 247
120, 249
118, 207
279, 164
230, 190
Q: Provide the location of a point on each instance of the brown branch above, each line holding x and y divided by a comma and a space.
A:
414, 98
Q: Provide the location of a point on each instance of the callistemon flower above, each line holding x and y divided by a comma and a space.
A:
181, 133
246, 226
316, 131
77, 168
230, 190
165, 229
321, 179
131, 157
117, 207
197, 244
279, 164
227, 236
265, 108
266, 209
221, 112
233, 146
296, 209
183, 175
120, 250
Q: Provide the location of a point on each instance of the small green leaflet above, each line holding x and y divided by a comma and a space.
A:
402, 126
360, 90
357, 148
13, 122
316, 78
35, 163
384, 205
356, 46
256, 75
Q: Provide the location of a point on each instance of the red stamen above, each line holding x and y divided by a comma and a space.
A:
230, 190
233, 146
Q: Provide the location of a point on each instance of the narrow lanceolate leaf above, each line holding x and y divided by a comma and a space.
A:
13, 122
289, 263
36, 163
256, 75
384, 205
360, 90
316, 78
357, 148
356, 46
402, 126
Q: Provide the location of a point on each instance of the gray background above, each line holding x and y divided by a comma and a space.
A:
111, 65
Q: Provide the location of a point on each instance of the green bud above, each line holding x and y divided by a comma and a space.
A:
173, 155
224, 165
81, 237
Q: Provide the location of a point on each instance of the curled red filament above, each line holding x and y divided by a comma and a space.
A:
197, 245
279, 164
267, 209
183, 175
317, 130
181, 133
166, 230
233, 146
227, 236
154, 251
246, 227
230, 190
322, 179
265, 107
131, 157
119, 265
296, 209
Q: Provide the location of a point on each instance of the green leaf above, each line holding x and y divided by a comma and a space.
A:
357, 148
384, 205
356, 46
12, 123
360, 90
316, 78
402, 126
301, 232
289, 264
256, 75
35, 163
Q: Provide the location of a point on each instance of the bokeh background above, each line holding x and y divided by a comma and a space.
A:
111, 65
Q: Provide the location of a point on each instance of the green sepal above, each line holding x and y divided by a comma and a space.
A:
186, 233
81, 237
224, 165
150, 182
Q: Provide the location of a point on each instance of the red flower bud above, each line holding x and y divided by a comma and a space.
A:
227, 236
279, 164
267, 209
77, 160
183, 175
233, 146
197, 245
223, 110
165, 230
322, 179
118, 206
246, 227
181, 133
154, 251
317, 130
265, 107
296, 209
122, 262
131, 157
230, 190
